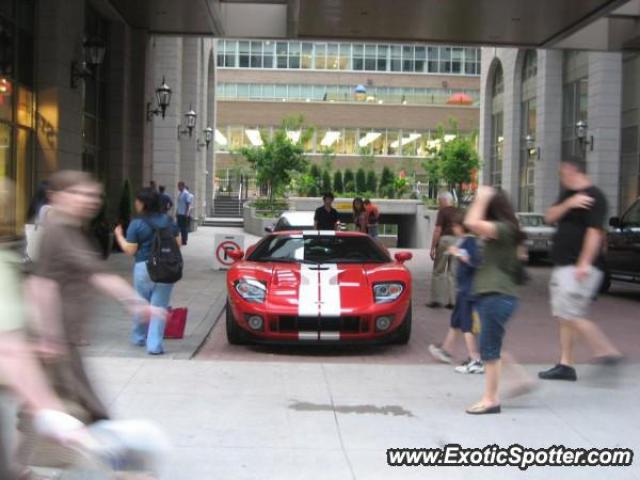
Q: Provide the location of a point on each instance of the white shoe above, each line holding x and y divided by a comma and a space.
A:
440, 354
474, 366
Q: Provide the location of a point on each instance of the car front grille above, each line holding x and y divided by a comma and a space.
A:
287, 324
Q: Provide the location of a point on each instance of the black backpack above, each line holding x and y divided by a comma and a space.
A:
165, 260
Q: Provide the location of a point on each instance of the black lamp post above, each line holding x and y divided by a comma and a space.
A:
163, 99
190, 122
582, 129
93, 51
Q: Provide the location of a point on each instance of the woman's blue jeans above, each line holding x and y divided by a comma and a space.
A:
494, 310
158, 295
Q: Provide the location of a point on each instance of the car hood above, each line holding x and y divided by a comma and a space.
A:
330, 289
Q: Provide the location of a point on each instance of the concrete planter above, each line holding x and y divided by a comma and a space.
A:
253, 224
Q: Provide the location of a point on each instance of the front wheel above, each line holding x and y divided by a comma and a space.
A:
403, 334
235, 334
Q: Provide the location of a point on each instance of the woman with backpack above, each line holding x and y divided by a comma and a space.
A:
153, 239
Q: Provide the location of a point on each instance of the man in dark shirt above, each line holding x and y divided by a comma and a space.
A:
326, 217
166, 203
442, 278
580, 213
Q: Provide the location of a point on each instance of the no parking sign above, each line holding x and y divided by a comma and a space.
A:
222, 245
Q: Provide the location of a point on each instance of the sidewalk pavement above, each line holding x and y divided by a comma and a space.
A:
269, 420
202, 290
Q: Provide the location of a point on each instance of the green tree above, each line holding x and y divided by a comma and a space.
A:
338, 185
386, 178
372, 182
314, 172
326, 181
276, 159
349, 181
361, 181
454, 158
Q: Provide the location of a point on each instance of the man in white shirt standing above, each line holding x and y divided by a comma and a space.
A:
184, 206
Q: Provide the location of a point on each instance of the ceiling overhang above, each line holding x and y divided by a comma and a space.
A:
582, 24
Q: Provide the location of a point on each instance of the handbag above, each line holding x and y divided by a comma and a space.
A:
176, 323
32, 235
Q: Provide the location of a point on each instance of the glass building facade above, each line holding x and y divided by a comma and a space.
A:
368, 57
340, 141
17, 105
344, 94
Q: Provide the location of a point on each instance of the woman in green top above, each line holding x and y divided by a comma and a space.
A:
491, 217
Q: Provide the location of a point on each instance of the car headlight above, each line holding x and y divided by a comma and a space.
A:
251, 290
387, 292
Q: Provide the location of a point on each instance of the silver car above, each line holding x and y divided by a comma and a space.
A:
539, 234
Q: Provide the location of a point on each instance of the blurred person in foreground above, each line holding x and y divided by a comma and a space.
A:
492, 218
20, 370
580, 214
68, 265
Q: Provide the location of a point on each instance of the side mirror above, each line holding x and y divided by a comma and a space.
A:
403, 256
269, 229
237, 255
614, 222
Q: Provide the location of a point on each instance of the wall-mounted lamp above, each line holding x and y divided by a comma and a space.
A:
532, 149
93, 51
208, 137
190, 123
163, 99
582, 134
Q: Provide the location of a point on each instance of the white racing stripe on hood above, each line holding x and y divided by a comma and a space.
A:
308, 292
319, 291
329, 291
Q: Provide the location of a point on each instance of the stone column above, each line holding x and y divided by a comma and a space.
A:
166, 61
511, 118
59, 33
549, 128
604, 120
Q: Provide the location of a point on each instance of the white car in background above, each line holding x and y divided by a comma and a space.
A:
539, 234
295, 220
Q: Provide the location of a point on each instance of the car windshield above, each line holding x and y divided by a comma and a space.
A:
318, 249
531, 220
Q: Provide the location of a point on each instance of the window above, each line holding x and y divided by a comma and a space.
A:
243, 57
433, 62
408, 64
445, 60
370, 58
321, 56
358, 57
347, 56
333, 60
294, 55
421, 57
256, 54
396, 58
282, 50
382, 61
268, 54
456, 60
307, 55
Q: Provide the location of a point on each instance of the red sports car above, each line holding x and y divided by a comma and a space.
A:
318, 287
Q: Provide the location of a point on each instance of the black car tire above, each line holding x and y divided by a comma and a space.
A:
403, 334
235, 334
